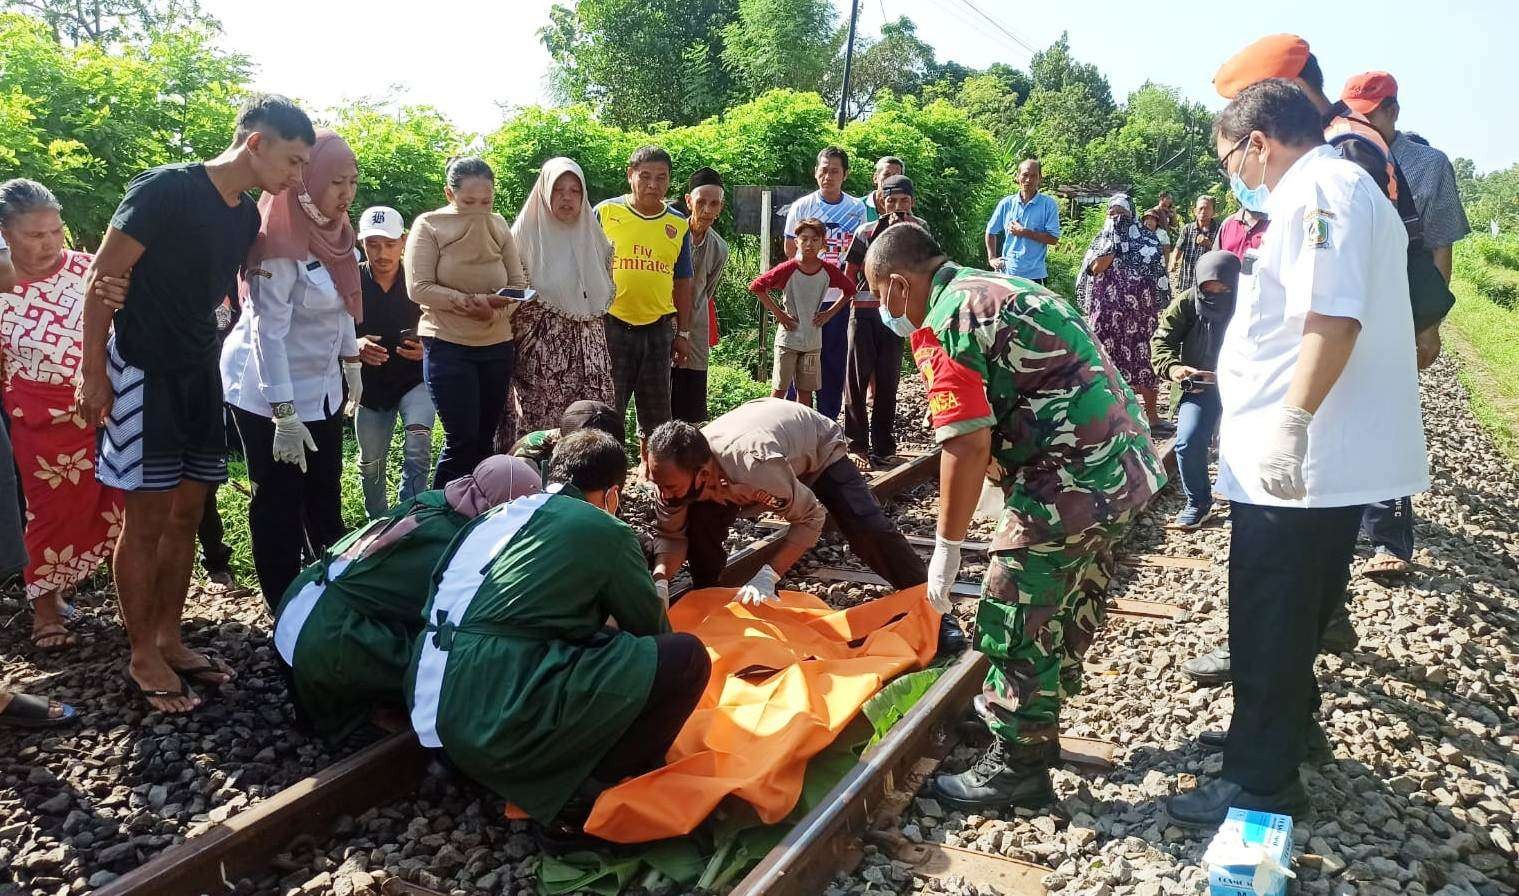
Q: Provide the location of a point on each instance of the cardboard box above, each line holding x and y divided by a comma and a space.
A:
1250, 855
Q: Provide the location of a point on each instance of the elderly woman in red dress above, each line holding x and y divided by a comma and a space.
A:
71, 519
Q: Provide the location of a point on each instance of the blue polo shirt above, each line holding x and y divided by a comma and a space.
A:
1022, 256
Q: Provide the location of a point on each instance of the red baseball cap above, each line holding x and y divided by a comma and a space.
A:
1274, 56
1366, 91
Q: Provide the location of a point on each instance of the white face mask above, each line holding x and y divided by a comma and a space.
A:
901, 326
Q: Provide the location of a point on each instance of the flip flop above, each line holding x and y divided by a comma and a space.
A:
150, 695
214, 673
31, 711
54, 630
1385, 564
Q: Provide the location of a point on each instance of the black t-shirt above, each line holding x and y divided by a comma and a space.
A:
386, 314
861, 245
194, 245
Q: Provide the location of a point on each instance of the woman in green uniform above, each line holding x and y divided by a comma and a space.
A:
518, 678
346, 625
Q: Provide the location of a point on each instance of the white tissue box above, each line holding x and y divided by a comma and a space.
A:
1250, 855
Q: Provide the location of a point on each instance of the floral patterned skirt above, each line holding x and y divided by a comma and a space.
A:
71, 519
559, 362
1124, 313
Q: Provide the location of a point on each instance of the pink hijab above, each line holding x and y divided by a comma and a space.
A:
291, 226
495, 481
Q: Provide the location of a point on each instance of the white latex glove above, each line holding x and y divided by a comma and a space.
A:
761, 588
1282, 461
353, 378
662, 588
943, 568
292, 440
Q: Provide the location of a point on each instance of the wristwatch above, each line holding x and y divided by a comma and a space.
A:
283, 409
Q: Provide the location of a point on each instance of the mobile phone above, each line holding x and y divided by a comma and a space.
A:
520, 295
408, 335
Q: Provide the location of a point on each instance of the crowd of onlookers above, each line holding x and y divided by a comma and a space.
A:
1290, 332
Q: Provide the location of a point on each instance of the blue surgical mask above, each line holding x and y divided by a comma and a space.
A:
1252, 198
898, 325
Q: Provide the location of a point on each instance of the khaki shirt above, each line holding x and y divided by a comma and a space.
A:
767, 450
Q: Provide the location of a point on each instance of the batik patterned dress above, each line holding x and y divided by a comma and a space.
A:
72, 520
1124, 302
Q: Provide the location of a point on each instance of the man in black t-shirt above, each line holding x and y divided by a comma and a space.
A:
150, 377
392, 357
875, 353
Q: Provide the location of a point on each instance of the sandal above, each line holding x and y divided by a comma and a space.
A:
214, 672
150, 695
57, 636
1384, 564
30, 711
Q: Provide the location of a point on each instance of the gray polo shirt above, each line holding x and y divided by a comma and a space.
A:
707, 263
1433, 181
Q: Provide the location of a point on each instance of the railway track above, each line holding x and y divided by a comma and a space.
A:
824, 843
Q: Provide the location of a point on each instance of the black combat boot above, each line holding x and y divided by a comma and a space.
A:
1006, 775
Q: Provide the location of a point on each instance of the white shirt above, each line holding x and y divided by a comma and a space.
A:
286, 345
1336, 247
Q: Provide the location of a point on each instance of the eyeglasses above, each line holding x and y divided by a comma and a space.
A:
1223, 164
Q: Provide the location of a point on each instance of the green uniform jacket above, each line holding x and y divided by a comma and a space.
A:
1169, 346
346, 628
537, 448
516, 677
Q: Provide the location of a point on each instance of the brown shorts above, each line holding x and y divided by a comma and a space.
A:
803, 368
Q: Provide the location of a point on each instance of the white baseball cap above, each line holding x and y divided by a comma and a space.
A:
381, 220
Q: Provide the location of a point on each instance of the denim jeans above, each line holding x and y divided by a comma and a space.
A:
374, 430
1196, 425
1389, 525
468, 384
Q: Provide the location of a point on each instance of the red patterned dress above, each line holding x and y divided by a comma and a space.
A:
71, 519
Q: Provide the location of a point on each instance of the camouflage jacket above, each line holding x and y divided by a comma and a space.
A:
1070, 449
538, 449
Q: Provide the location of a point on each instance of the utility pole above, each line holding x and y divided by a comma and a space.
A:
854, 18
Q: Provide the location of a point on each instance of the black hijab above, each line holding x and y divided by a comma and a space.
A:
1215, 309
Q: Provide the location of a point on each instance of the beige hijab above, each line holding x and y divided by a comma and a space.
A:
569, 264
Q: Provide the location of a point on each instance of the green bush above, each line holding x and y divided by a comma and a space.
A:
1498, 252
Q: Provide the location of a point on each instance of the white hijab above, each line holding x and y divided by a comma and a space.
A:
569, 264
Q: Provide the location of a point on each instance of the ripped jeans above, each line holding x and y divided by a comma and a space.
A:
375, 430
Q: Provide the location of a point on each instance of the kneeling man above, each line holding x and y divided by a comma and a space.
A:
517, 676
769, 454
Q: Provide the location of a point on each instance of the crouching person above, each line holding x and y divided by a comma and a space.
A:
518, 678
346, 625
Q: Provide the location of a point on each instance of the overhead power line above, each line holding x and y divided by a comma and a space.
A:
972, 23
999, 26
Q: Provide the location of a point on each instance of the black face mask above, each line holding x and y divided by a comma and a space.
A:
691, 495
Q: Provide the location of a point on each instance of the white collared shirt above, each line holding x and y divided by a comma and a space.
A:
1335, 247
286, 344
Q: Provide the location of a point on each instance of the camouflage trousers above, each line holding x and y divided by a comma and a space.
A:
1041, 607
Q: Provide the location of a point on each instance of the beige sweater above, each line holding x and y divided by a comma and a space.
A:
451, 255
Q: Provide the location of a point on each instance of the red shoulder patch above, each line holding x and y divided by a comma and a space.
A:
670, 230
956, 393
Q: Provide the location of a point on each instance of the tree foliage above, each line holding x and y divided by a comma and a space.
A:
777, 44
402, 152
899, 63
112, 22
1490, 197
618, 57
86, 119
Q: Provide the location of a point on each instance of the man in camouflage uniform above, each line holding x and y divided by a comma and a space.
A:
538, 447
1020, 392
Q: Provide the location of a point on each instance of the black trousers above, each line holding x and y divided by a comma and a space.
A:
215, 554
1288, 569
853, 508
469, 385
875, 353
292, 516
1389, 525
688, 395
679, 680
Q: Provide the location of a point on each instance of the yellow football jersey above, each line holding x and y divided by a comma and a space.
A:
648, 255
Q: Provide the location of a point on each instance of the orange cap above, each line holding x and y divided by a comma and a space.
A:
1366, 91
1276, 56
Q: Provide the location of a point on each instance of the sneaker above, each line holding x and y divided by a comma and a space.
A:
1004, 776
1206, 807
1210, 668
1192, 517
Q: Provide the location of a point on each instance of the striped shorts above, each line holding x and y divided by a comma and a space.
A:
164, 428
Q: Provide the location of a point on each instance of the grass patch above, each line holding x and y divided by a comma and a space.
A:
1481, 333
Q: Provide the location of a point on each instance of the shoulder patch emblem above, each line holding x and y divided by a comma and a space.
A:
1316, 228
670, 231
768, 500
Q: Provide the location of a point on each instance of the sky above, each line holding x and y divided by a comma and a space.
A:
1451, 58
